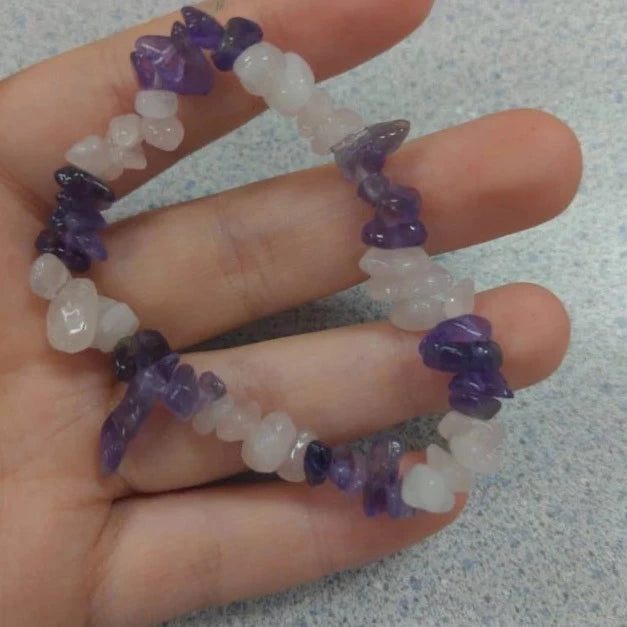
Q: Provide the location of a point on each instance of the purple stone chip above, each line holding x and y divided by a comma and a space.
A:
382, 462
373, 188
49, 241
137, 352
363, 154
474, 405
376, 233
317, 462
467, 328
79, 185
204, 30
173, 63
89, 243
487, 383
348, 469
462, 356
68, 218
182, 393
394, 504
112, 448
399, 205
239, 34
210, 389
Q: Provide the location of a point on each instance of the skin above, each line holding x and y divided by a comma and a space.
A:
157, 540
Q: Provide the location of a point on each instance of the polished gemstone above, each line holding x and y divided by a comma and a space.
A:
239, 35
462, 356
317, 462
47, 276
182, 394
376, 233
204, 30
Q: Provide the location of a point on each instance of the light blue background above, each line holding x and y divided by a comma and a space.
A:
542, 542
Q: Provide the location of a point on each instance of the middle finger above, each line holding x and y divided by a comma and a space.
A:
213, 264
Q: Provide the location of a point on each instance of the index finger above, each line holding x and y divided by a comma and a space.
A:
47, 108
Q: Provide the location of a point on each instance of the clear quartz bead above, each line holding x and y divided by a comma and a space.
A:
417, 314
260, 68
125, 131
269, 443
157, 104
454, 423
292, 469
425, 488
72, 318
48, 275
236, 424
476, 448
131, 159
206, 420
460, 300
92, 154
399, 262
166, 134
384, 289
338, 125
294, 88
315, 112
115, 321
458, 478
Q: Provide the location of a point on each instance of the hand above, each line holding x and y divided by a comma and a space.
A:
150, 543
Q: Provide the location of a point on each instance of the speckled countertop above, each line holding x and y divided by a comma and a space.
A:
543, 542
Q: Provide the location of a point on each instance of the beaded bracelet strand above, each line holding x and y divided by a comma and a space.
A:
422, 293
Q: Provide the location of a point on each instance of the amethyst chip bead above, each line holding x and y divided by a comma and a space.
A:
182, 393
317, 462
375, 233
137, 352
204, 30
462, 356
239, 34
79, 185
49, 241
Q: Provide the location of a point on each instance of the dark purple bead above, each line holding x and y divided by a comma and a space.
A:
79, 184
400, 205
474, 405
112, 448
374, 498
151, 347
65, 218
486, 383
53, 242
373, 188
140, 351
376, 233
462, 356
239, 34
174, 63
364, 153
317, 462
211, 387
348, 469
204, 30
124, 359
133, 409
182, 393
89, 243
467, 328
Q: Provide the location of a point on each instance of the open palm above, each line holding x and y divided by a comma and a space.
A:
155, 541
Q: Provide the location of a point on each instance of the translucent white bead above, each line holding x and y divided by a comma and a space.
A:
125, 131
294, 87
115, 170
476, 449
47, 276
338, 125
292, 469
72, 318
431, 280
458, 478
269, 443
157, 104
454, 423
260, 68
115, 321
417, 314
236, 424
131, 159
92, 154
460, 299
166, 134
425, 488
384, 289
315, 112
378, 262
205, 421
